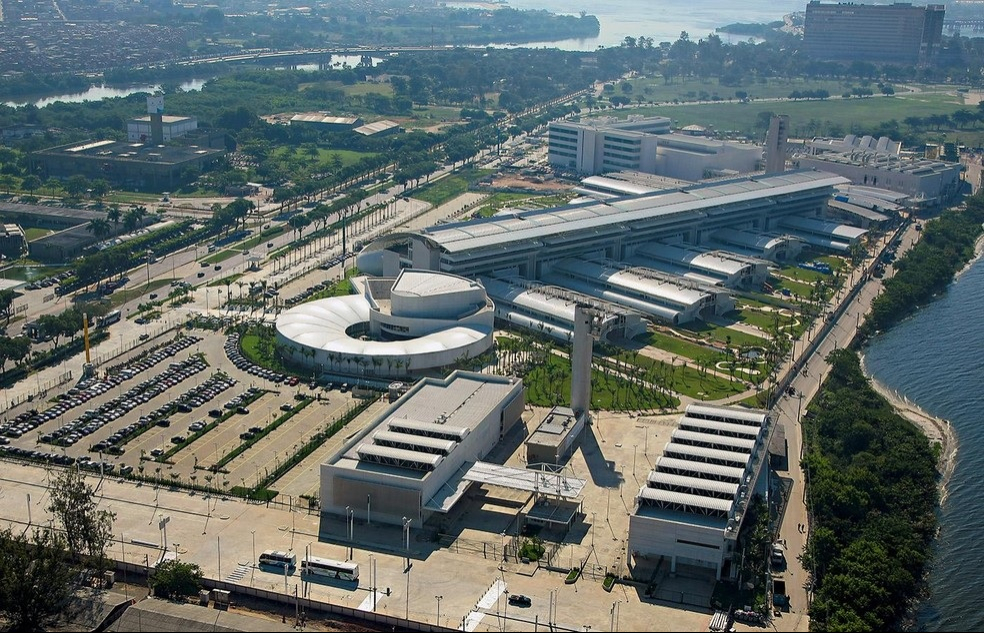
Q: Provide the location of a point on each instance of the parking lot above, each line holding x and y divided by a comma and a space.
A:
149, 414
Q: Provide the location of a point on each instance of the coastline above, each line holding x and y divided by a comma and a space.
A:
936, 430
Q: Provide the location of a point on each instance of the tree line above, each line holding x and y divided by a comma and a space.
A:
872, 495
946, 246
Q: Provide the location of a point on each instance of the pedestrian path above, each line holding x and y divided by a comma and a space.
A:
238, 573
474, 618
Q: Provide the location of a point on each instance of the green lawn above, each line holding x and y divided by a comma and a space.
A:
803, 274
800, 289
691, 380
722, 334
656, 89
680, 347
808, 118
764, 321
34, 233
221, 256
449, 187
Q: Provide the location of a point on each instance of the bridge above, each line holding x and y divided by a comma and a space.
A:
320, 55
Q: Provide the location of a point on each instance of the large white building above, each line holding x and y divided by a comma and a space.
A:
140, 128
695, 498
597, 146
391, 327
879, 163
411, 461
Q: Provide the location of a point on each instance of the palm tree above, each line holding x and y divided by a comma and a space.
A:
99, 227
113, 215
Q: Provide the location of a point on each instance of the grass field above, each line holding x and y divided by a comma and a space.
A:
324, 156
833, 117
722, 334
34, 233
449, 187
680, 347
656, 89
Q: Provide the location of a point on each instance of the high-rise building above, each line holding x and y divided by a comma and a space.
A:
897, 33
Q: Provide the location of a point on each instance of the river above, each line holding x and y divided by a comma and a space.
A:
934, 359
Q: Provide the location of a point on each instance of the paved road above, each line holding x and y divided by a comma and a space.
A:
789, 410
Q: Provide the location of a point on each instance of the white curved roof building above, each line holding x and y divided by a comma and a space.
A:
419, 321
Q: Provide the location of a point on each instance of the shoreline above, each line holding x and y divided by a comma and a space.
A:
936, 430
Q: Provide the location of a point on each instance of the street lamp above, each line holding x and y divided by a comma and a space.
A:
406, 531
439, 598
176, 551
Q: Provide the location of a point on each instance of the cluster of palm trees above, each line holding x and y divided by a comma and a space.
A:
131, 219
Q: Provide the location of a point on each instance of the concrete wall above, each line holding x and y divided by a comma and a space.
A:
678, 541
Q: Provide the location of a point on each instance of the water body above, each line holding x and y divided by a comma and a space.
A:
934, 359
662, 20
98, 93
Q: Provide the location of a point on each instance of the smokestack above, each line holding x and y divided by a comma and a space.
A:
775, 144
581, 362
155, 108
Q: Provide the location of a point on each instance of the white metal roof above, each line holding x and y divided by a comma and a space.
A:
685, 451
544, 482
729, 413
713, 261
646, 307
828, 229
545, 223
725, 442
859, 211
322, 324
388, 454
410, 440
715, 470
443, 430
658, 480
424, 283
714, 426
750, 240
682, 498
630, 279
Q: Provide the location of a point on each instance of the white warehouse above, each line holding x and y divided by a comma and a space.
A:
408, 462
695, 498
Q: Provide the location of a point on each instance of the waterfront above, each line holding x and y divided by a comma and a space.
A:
662, 20
933, 359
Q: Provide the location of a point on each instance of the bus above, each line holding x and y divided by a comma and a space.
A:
109, 318
330, 568
283, 560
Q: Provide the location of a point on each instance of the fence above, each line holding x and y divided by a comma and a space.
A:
301, 603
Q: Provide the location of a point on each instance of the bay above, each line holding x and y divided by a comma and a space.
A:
934, 360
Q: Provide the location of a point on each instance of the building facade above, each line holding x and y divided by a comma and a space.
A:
898, 33
645, 145
139, 129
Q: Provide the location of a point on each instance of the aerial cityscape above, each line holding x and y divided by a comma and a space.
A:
490, 315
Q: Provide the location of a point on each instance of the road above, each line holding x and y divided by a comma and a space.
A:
788, 412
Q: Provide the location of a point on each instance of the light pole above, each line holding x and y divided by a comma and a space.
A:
176, 551
253, 532
614, 623
592, 529
438, 598
406, 532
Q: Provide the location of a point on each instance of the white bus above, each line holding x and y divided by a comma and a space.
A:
330, 568
282, 560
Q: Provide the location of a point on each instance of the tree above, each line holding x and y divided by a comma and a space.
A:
88, 529
173, 578
76, 186
35, 578
114, 215
31, 183
99, 227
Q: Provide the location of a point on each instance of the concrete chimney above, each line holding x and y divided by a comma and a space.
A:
581, 362
155, 108
775, 144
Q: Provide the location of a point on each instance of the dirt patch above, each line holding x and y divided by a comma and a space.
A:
525, 183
